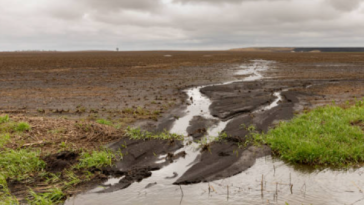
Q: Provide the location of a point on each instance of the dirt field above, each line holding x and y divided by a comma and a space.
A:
110, 84
129, 87
56, 91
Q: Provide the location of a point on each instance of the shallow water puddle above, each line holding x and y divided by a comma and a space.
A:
317, 187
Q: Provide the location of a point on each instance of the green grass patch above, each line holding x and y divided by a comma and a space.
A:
18, 164
4, 139
104, 122
52, 196
22, 127
327, 135
96, 159
137, 134
11, 126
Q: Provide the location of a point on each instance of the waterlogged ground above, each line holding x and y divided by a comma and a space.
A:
127, 87
268, 181
309, 186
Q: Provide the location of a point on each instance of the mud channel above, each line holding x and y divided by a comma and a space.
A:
186, 173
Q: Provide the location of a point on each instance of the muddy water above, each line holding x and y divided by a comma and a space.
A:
267, 182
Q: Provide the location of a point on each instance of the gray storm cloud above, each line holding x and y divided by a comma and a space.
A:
122, 4
345, 5
178, 24
222, 2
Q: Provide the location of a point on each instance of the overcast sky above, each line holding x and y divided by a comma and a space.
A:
178, 24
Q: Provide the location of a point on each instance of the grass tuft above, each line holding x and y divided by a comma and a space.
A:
138, 134
18, 164
52, 196
4, 119
22, 127
104, 122
328, 135
96, 159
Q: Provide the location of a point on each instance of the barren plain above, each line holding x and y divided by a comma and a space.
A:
55, 91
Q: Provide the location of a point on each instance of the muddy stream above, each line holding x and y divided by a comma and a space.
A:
268, 181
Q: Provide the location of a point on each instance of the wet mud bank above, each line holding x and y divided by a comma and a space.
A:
245, 104
140, 157
240, 106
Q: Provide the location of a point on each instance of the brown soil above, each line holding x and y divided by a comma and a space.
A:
62, 94
51, 135
113, 84
60, 161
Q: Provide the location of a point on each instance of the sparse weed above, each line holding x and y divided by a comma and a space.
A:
53, 178
5, 195
81, 109
156, 112
141, 111
104, 122
4, 119
222, 136
204, 144
4, 139
128, 111
72, 179
137, 134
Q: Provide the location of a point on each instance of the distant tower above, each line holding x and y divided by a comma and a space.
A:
117, 49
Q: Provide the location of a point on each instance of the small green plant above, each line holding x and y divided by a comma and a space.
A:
81, 109
141, 111
63, 145
104, 122
156, 112
22, 127
222, 136
128, 111
57, 131
4, 119
204, 144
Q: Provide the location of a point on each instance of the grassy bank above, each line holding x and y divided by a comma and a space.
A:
331, 135
33, 166
43, 160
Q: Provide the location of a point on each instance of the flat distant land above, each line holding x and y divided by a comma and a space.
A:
301, 49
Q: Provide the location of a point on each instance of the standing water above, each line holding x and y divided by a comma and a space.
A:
269, 181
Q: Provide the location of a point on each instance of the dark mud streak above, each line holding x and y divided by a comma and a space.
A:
143, 153
139, 159
225, 159
199, 125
